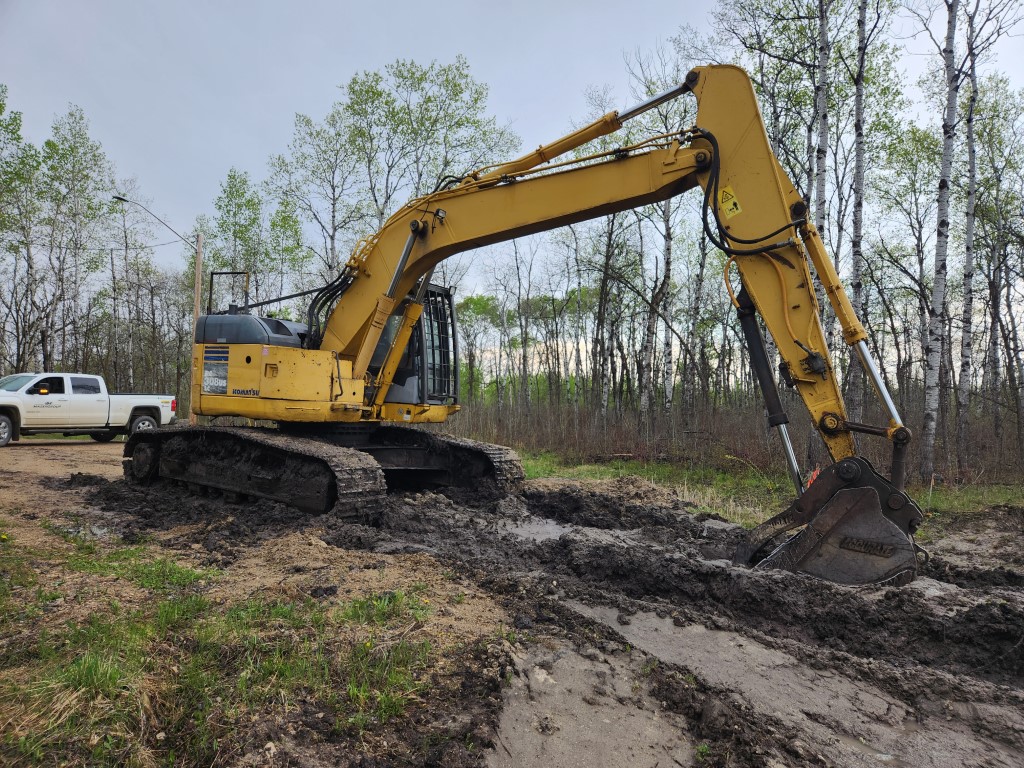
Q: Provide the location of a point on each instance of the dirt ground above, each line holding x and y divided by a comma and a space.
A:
619, 633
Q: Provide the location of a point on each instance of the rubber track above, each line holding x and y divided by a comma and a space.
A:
358, 477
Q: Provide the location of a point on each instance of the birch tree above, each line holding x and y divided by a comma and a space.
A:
318, 179
651, 74
986, 23
868, 31
951, 77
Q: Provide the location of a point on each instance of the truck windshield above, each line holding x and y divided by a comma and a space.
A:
14, 382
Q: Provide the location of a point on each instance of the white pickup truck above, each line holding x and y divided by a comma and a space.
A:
75, 404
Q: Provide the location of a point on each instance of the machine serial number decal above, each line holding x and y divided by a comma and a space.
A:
253, 392
728, 203
868, 547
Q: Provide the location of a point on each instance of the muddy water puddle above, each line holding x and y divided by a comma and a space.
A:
536, 529
841, 719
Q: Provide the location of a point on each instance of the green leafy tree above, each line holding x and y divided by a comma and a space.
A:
248, 235
478, 318
411, 127
64, 200
316, 181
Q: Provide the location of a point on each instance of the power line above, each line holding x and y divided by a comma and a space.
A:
133, 246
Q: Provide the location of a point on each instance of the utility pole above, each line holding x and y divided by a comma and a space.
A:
192, 419
198, 248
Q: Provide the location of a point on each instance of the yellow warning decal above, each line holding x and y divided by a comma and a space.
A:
727, 202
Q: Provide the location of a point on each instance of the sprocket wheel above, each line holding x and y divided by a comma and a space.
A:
145, 463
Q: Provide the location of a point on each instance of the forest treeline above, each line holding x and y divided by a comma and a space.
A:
617, 335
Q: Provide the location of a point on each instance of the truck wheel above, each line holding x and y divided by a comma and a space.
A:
6, 430
102, 437
143, 422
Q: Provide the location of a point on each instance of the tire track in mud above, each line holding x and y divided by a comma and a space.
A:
762, 668
682, 565
922, 675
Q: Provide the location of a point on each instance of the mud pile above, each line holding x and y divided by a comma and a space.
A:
630, 619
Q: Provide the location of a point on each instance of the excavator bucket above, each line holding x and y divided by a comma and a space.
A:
857, 528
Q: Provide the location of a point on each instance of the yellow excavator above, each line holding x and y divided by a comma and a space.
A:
379, 349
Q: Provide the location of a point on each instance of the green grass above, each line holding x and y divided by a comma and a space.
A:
136, 565
86, 680
96, 674
75, 689
742, 478
15, 571
195, 670
747, 495
945, 506
385, 607
968, 499
55, 436
267, 653
383, 679
21, 596
177, 612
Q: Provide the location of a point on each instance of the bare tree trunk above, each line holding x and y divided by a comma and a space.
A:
985, 25
815, 448
578, 351
115, 343
603, 349
135, 315
695, 374
936, 329
963, 391
855, 376
667, 359
992, 374
524, 271
1010, 328
645, 372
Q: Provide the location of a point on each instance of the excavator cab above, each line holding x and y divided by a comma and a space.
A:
428, 371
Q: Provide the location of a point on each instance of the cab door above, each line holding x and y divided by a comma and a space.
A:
47, 403
88, 403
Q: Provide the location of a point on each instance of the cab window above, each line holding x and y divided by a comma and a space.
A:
85, 385
53, 384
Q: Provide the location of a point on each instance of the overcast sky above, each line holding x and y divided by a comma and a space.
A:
179, 91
